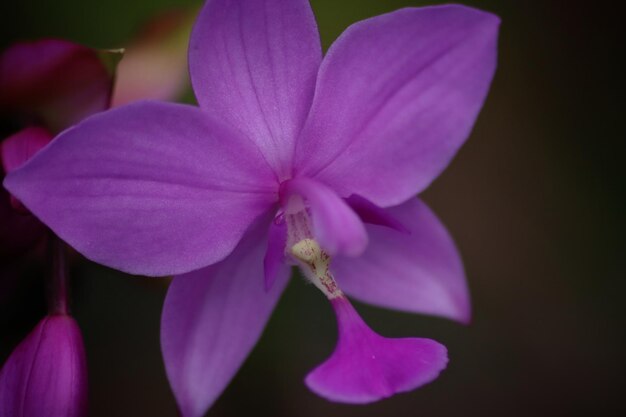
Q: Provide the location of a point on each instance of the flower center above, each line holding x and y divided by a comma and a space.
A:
313, 261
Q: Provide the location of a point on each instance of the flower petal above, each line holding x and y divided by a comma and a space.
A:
372, 214
335, 224
367, 367
53, 82
20, 147
253, 64
396, 97
419, 272
212, 319
46, 375
150, 188
275, 254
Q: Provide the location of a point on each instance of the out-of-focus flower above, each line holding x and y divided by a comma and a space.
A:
19, 148
46, 375
155, 63
285, 160
45, 87
52, 83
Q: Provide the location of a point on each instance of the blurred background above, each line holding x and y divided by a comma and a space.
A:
535, 201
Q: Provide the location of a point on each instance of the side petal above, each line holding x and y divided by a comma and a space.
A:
46, 375
366, 367
372, 214
54, 82
150, 188
212, 318
396, 97
253, 64
419, 272
338, 228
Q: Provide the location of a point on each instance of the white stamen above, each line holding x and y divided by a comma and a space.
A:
315, 264
313, 261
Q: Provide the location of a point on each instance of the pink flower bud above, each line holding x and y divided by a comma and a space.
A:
46, 375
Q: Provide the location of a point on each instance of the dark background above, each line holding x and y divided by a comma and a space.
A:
535, 200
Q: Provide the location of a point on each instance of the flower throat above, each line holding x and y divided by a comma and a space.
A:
313, 261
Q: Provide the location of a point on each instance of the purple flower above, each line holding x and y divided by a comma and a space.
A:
290, 159
46, 375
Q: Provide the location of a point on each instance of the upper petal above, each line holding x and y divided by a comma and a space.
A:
396, 97
46, 375
420, 272
150, 188
53, 82
212, 318
253, 64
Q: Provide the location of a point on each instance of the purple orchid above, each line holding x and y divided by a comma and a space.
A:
285, 161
